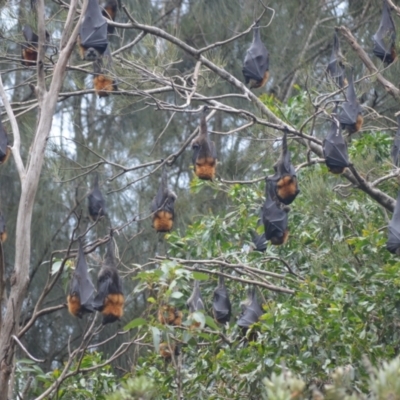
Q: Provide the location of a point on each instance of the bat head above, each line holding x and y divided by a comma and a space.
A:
91, 54
171, 199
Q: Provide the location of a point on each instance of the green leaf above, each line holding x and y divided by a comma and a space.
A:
176, 295
56, 267
200, 276
211, 323
135, 323
156, 338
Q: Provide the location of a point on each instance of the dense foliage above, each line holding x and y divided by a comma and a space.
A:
330, 295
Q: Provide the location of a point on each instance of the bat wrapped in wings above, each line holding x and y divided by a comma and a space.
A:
29, 49
103, 82
285, 176
350, 116
110, 12
256, 62
110, 298
335, 148
274, 217
393, 242
385, 37
163, 206
5, 150
81, 290
195, 303
222, 308
92, 39
335, 67
396, 145
204, 152
97, 205
251, 311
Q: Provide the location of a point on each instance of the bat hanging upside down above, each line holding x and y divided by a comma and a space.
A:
274, 217
29, 49
110, 12
103, 82
92, 38
385, 38
256, 62
335, 148
350, 116
285, 176
204, 152
81, 289
110, 298
163, 206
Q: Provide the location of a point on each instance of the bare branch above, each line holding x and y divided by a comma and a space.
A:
388, 86
26, 351
17, 137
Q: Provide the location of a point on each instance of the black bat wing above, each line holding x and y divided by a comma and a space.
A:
336, 71
162, 193
256, 62
385, 36
335, 67
396, 145
275, 219
350, 108
81, 283
93, 31
284, 165
260, 242
251, 311
349, 113
3, 141
110, 259
393, 242
204, 149
222, 307
29, 35
108, 282
335, 148
97, 205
